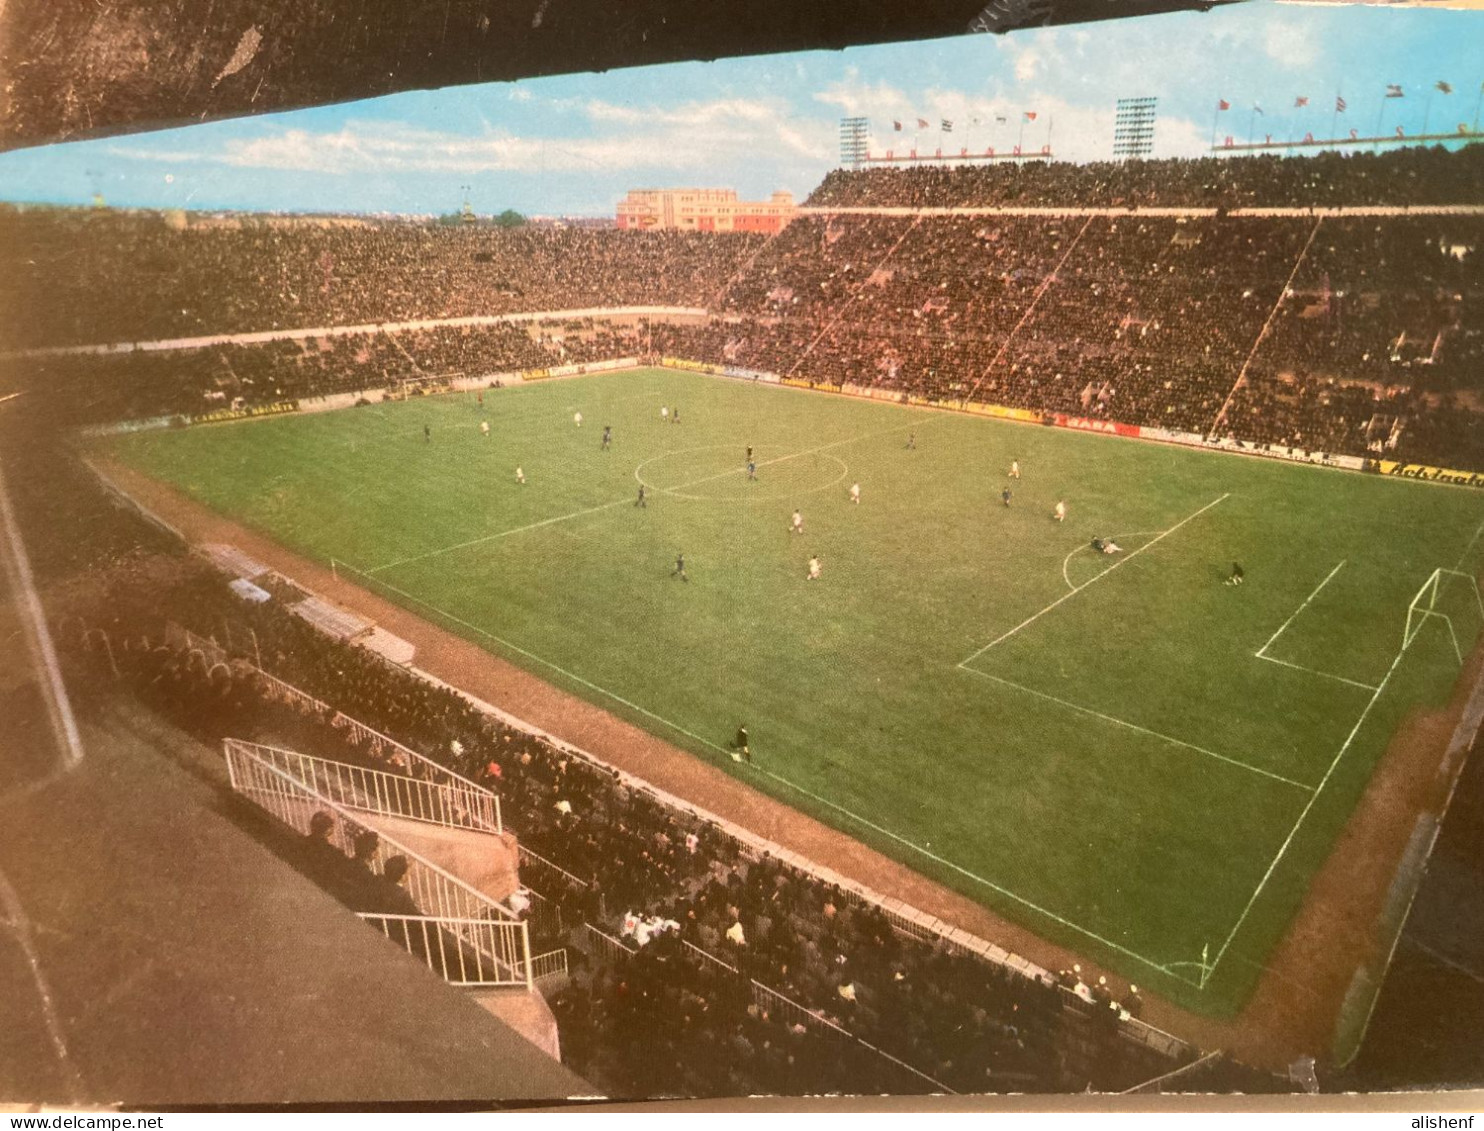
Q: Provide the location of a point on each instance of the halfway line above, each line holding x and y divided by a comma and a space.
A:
621, 502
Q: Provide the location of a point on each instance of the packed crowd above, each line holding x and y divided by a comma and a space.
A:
837, 972
1363, 334
1367, 330
70, 277
1401, 177
195, 383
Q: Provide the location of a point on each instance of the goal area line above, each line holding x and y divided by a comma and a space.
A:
1409, 637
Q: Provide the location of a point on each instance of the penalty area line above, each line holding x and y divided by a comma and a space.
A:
897, 837
1068, 596
1142, 730
1316, 671
1262, 653
1304, 814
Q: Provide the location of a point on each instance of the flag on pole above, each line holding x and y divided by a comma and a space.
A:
1001, 119
1301, 100
947, 125
1030, 115
897, 126
1446, 88
922, 123
1393, 90
1223, 104
1256, 109
1339, 105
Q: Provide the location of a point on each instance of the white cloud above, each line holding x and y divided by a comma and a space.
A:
1289, 44
857, 98
1026, 64
692, 137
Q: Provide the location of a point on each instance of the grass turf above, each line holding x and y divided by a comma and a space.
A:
1088, 744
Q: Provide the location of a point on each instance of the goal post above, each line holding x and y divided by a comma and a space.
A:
1453, 598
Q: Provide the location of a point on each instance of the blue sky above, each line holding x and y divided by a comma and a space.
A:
573, 145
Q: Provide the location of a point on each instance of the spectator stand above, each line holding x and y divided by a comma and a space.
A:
904, 919
289, 786
775, 1006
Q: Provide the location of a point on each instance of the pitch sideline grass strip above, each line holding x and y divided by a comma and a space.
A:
1167, 969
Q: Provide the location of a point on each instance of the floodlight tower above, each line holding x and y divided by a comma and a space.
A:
853, 144
1133, 128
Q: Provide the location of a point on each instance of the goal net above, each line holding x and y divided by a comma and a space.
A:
1450, 602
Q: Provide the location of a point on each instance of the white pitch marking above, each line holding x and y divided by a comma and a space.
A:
1066, 561
1142, 730
1316, 671
1066, 596
779, 778
1261, 652
621, 502
1313, 797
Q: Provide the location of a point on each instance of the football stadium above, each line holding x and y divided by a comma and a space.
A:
996, 625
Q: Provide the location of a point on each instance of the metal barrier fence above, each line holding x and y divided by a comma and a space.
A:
607, 946
549, 967
791, 1013
480, 805
255, 775
543, 866
709, 958
457, 950
288, 693
545, 914
373, 791
781, 1008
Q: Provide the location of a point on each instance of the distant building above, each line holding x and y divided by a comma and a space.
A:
704, 210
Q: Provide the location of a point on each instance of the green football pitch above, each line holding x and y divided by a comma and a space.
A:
1121, 752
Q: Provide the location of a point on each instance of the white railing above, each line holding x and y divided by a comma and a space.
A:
550, 966
480, 807
373, 791
709, 958
545, 915
460, 951
608, 947
538, 863
288, 693
790, 1012
255, 773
